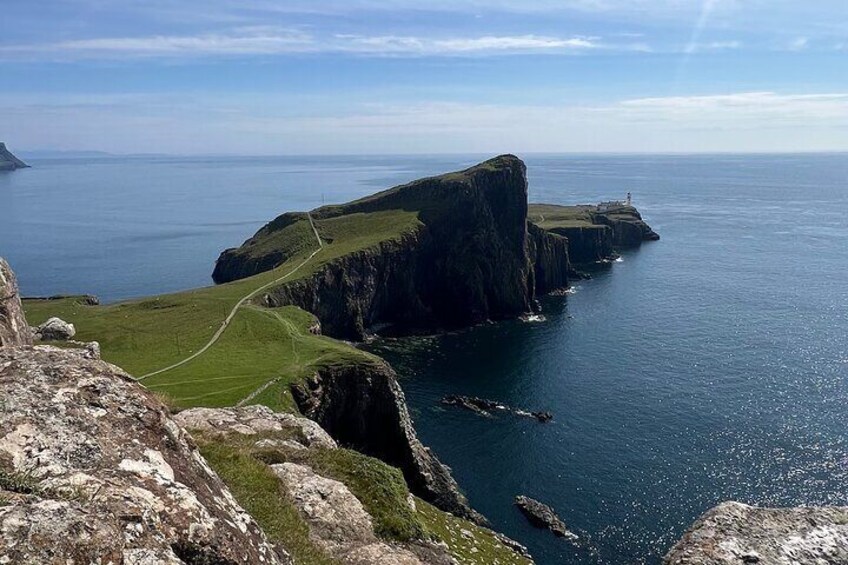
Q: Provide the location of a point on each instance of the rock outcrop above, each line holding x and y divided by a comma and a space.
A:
94, 470
468, 261
13, 326
55, 329
735, 534
363, 406
593, 234
9, 162
543, 516
337, 520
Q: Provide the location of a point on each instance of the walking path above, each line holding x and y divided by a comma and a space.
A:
217, 335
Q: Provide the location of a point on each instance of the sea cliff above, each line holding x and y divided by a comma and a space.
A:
9, 162
594, 233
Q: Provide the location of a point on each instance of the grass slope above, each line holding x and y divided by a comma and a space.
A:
259, 345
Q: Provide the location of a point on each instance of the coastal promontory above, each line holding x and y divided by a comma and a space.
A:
9, 162
442, 252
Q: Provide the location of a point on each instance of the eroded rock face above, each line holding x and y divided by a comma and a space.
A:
13, 326
467, 262
734, 534
363, 406
94, 470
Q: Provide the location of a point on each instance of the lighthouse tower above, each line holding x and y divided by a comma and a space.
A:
629, 199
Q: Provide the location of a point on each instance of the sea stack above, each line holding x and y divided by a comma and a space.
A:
9, 162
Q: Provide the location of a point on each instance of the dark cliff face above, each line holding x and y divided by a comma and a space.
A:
550, 257
594, 235
363, 407
468, 262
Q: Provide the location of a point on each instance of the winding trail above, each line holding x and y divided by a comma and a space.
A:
217, 335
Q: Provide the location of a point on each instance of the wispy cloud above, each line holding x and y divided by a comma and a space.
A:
746, 121
263, 40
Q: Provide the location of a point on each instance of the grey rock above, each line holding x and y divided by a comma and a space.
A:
734, 534
255, 420
95, 471
340, 525
543, 516
56, 329
14, 329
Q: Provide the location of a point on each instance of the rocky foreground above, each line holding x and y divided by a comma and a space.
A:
734, 534
95, 469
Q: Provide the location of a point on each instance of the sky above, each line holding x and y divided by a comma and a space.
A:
272, 77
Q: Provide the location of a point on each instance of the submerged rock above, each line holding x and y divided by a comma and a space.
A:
485, 407
543, 516
734, 533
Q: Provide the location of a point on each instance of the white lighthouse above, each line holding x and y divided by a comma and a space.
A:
629, 199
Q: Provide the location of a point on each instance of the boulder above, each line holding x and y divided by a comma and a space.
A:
543, 516
734, 534
94, 470
13, 326
255, 420
55, 329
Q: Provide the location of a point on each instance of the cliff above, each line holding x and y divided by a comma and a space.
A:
93, 468
734, 533
593, 235
364, 407
9, 162
464, 257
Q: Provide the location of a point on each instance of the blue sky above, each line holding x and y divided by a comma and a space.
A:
437, 76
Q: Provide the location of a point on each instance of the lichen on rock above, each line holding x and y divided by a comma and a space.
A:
735, 534
107, 475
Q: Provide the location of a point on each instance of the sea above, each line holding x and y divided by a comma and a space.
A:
709, 366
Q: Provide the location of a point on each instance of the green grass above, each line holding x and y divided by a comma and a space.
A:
549, 216
552, 217
468, 543
259, 492
379, 487
260, 345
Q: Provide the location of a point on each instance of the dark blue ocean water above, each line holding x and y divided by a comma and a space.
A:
711, 365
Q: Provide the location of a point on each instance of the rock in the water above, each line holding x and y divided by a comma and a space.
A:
14, 329
485, 407
56, 329
94, 470
734, 534
542, 516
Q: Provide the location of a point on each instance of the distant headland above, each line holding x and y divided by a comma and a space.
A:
9, 162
